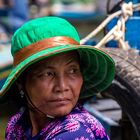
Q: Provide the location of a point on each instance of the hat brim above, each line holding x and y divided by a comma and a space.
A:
98, 72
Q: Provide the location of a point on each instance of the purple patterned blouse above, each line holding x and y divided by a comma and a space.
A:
78, 125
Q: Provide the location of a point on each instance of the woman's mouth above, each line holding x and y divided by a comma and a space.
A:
60, 101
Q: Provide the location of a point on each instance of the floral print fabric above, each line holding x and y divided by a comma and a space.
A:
78, 125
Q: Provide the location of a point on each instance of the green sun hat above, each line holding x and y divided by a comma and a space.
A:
43, 37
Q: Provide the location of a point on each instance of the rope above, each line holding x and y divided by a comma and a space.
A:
118, 31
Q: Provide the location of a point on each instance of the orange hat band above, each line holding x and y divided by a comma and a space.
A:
27, 51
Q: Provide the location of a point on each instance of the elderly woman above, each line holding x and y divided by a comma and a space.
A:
52, 73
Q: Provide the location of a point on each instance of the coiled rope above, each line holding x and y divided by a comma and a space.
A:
118, 31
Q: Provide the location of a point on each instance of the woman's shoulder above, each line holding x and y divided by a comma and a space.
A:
15, 118
82, 116
14, 128
80, 124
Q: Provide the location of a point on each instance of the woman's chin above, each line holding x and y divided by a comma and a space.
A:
60, 112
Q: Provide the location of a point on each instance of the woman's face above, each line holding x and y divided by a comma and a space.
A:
54, 84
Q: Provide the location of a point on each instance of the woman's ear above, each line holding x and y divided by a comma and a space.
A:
19, 85
20, 88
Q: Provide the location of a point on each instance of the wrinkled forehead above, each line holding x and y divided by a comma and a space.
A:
63, 58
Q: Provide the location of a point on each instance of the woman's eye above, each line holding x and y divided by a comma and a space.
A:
49, 74
46, 74
73, 71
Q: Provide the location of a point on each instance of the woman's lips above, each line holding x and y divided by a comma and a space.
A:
61, 101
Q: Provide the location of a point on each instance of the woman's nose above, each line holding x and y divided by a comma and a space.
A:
61, 84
